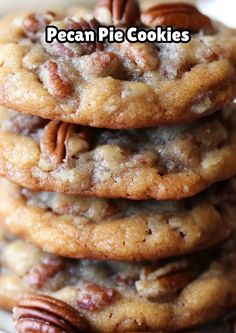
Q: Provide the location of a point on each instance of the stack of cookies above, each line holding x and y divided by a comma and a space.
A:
117, 212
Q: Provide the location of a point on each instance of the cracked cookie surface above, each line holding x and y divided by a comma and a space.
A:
90, 228
112, 85
156, 296
162, 163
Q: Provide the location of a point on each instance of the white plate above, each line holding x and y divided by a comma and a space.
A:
223, 10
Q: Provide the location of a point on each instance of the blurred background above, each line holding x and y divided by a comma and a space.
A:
222, 10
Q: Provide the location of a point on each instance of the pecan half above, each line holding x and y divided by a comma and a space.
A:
93, 297
39, 275
93, 24
121, 13
144, 56
56, 138
164, 282
53, 80
180, 15
34, 23
46, 314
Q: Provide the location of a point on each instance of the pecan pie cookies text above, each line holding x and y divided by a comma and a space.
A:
117, 85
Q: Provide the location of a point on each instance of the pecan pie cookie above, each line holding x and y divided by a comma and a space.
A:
161, 163
165, 295
117, 85
90, 228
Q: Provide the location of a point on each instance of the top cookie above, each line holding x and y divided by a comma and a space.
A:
117, 85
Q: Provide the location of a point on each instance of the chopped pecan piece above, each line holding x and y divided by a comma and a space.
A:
144, 56
55, 142
121, 13
54, 82
183, 154
92, 297
101, 64
95, 210
46, 314
39, 275
180, 15
34, 23
164, 282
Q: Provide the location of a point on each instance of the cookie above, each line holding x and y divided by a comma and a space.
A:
90, 228
116, 85
166, 295
162, 163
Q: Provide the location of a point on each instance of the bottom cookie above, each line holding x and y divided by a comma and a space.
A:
159, 296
